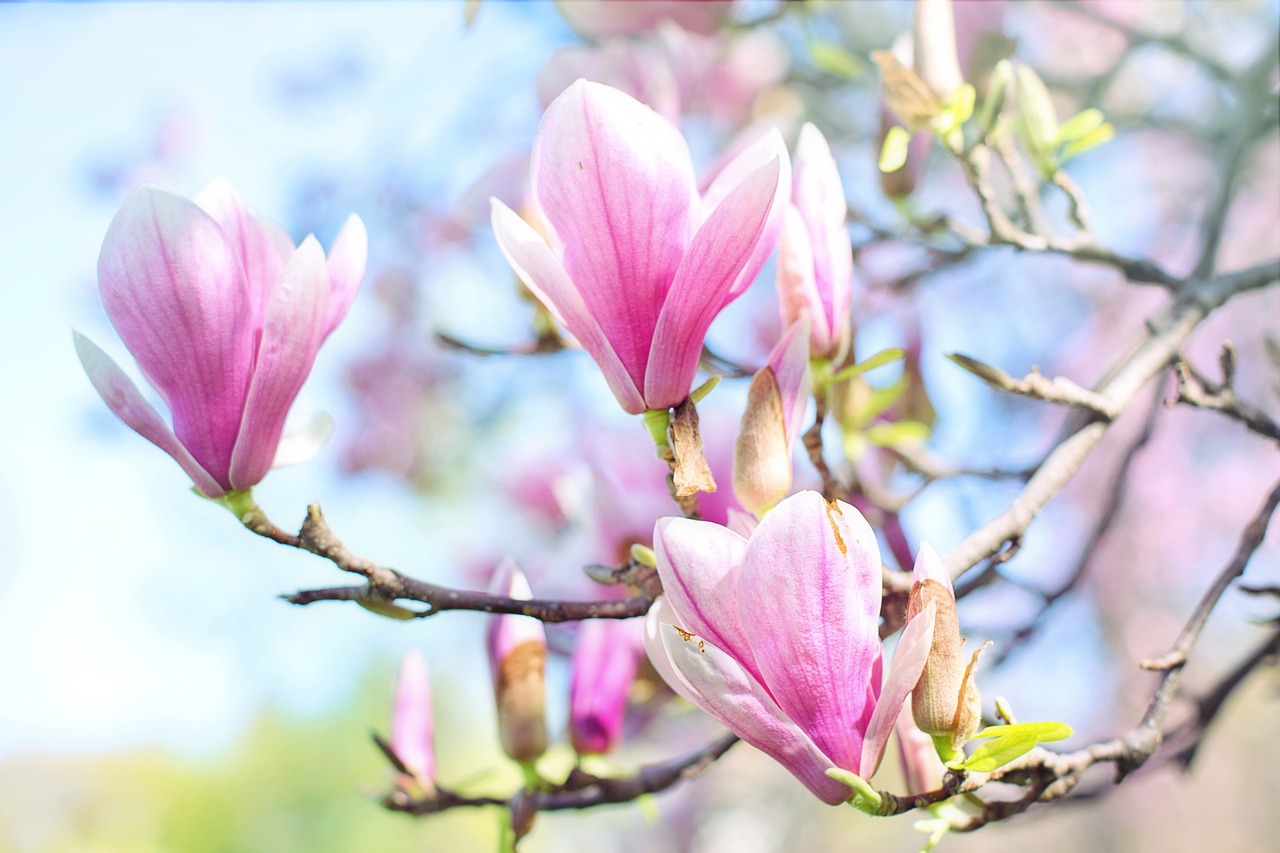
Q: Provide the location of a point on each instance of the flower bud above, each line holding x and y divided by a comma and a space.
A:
412, 724
945, 702
603, 667
517, 660
775, 405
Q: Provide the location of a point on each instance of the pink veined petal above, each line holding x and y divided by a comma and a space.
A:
540, 270
705, 284
819, 196
768, 147
727, 692
698, 562
615, 182
929, 567
908, 663
741, 523
123, 398
790, 362
660, 614
797, 288
176, 292
347, 259
809, 595
254, 241
293, 327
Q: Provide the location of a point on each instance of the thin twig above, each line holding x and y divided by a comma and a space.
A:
580, 790
1252, 537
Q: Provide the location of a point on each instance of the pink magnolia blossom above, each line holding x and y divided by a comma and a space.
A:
777, 636
412, 723
636, 264
815, 253
224, 317
603, 667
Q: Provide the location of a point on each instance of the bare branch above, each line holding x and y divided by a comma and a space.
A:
1196, 390
580, 790
1038, 387
1125, 380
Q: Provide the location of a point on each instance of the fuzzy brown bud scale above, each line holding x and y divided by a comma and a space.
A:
945, 701
520, 689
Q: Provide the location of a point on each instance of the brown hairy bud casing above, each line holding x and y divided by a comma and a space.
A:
762, 461
520, 690
945, 700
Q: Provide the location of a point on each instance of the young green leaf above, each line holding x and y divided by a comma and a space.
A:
1080, 124
893, 155
1011, 742
885, 356
831, 58
1038, 122
1097, 136
897, 433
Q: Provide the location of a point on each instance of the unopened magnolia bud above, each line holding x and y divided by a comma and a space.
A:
603, 666
412, 721
945, 702
517, 660
762, 458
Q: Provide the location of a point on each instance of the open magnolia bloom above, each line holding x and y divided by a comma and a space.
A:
636, 264
777, 636
224, 317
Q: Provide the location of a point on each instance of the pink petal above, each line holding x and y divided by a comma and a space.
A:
536, 265
615, 183
723, 689
123, 398
790, 362
809, 597
412, 723
706, 282
768, 147
796, 283
347, 258
908, 662
929, 567
177, 294
255, 242
818, 194
603, 666
698, 563
292, 330
508, 630
741, 523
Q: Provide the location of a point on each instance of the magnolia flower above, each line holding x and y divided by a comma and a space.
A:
224, 317
412, 722
635, 264
517, 659
775, 405
777, 636
815, 253
603, 667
